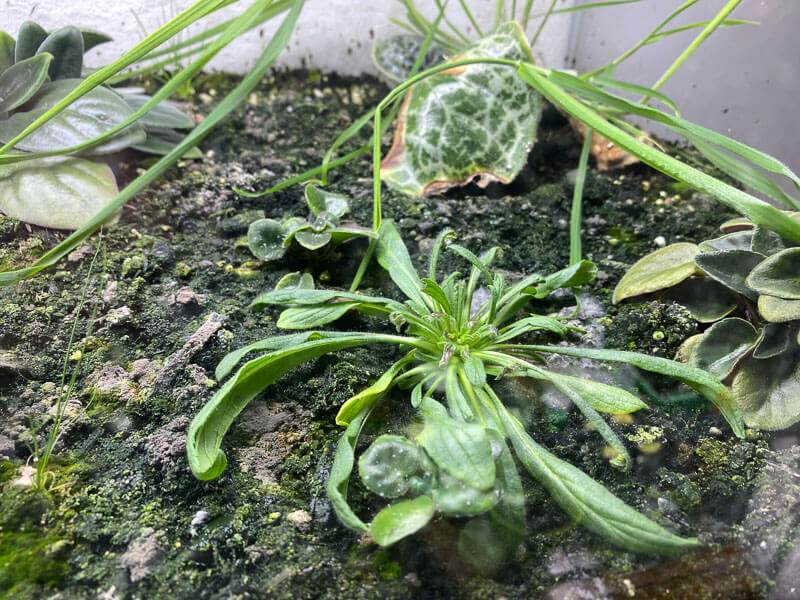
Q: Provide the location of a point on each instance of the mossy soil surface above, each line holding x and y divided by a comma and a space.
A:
171, 284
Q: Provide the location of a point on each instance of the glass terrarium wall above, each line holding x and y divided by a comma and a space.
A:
330, 35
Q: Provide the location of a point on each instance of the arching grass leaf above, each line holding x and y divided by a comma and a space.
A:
87, 117
58, 192
470, 122
658, 270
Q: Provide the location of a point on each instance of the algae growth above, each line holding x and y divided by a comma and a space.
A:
126, 519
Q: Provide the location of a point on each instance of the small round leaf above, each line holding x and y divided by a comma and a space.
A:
387, 464
265, 239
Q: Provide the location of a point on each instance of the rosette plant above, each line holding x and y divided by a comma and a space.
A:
461, 462
745, 283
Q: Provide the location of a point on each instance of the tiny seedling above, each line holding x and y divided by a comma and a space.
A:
460, 463
745, 283
269, 239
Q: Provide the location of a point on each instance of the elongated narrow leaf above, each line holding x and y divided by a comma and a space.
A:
91, 115
66, 46
588, 502
340, 473
306, 297
309, 317
276, 342
758, 211
587, 397
392, 255
705, 383
370, 395
401, 519
211, 424
658, 270
163, 114
580, 273
58, 192
23, 80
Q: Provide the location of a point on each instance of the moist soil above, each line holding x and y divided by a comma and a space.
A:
167, 294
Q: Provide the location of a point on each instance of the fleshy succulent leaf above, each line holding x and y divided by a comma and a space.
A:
265, 239
705, 298
387, 464
312, 240
30, 36
87, 117
7, 45
66, 46
778, 275
723, 346
92, 38
474, 121
730, 268
658, 270
57, 192
21, 81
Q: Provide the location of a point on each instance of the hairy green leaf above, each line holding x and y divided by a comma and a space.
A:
778, 310
308, 317
767, 391
730, 268
368, 396
588, 502
461, 449
738, 240
775, 340
473, 121
705, 298
208, 428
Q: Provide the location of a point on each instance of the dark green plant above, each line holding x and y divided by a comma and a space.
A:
746, 284
269, 239
208, 45
37, 71
460, 463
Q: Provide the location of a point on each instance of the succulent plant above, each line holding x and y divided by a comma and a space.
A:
746, 283
37, 71
269, 239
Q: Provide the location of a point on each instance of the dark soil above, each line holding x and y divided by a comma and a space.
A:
125, 518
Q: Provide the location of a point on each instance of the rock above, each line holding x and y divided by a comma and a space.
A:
143, 554
7, 449
118, 316
113, 382
79, 253
167, 444
186, 297
300, 518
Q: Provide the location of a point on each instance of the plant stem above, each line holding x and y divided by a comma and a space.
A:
575, 250
707, 31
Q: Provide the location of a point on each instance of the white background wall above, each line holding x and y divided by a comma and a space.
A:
744, 81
